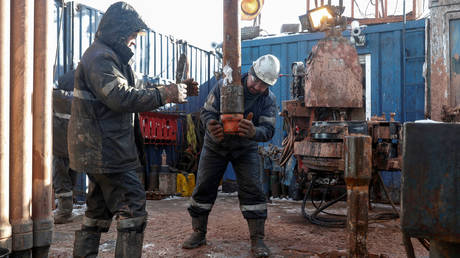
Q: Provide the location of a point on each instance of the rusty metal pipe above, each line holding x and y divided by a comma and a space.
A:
42, 131
358, 172
376, 9
232, 93
5, 226
352, 8
21, 125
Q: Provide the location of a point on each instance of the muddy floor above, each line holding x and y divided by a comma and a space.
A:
288, 234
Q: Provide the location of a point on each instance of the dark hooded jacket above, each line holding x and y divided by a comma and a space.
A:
62, 102
101, 129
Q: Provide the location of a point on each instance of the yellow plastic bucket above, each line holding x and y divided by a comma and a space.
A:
185, 184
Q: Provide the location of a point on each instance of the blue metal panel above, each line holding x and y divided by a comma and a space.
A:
414, 86
454, 52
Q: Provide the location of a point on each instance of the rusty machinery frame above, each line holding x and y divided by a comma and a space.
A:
381, 11
326, 124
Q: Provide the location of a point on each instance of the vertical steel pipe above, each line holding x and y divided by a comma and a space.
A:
21, 125
232, 93
42, 131
352, 9
358, 171
377, 9
5, 226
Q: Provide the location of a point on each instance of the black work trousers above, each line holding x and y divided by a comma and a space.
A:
114, 194
211, 169
64, 178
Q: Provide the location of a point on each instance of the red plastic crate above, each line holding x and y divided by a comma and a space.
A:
158, 128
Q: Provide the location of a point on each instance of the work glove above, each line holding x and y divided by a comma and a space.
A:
173, 93
192, 87
246, 128
216, 129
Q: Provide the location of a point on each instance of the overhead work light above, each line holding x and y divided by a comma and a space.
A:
322, 18
250, 9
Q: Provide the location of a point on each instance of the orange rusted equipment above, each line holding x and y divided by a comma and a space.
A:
42, 131
21, 123
232, 93
358, 174
327, 107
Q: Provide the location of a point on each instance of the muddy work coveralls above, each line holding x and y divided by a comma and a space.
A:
240, 151
101, 135
64, 179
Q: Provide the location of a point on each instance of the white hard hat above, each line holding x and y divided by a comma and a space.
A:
267, 69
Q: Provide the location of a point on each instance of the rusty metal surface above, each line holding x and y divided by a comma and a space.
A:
430, 181
321, 164
333, 75
444, 71
358, 171
5, 227
232, 97
232, 39
444, 249
451, 114
319, 149
21, 124
294, 108
386, 144
42, 127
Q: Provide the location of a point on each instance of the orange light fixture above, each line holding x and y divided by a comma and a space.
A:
250, 9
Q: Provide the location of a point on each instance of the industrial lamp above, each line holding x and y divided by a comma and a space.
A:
250, 9
319, 16
322, 18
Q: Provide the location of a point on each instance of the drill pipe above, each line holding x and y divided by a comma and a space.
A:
21, 125
358, 171
42, 131
232, 97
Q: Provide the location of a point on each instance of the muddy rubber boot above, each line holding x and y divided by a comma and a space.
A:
198, 237
130, 237
257, 233
129, 244
63, 214
86, 244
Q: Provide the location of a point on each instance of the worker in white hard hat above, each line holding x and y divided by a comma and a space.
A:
241, 150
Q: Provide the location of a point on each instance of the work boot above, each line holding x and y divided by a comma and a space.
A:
86, 244
129, 244
256, 231
198, 237
63, 213
130, 237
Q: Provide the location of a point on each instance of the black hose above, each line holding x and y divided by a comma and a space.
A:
314, 218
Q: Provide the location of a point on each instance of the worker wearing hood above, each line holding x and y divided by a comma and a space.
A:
101, 134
